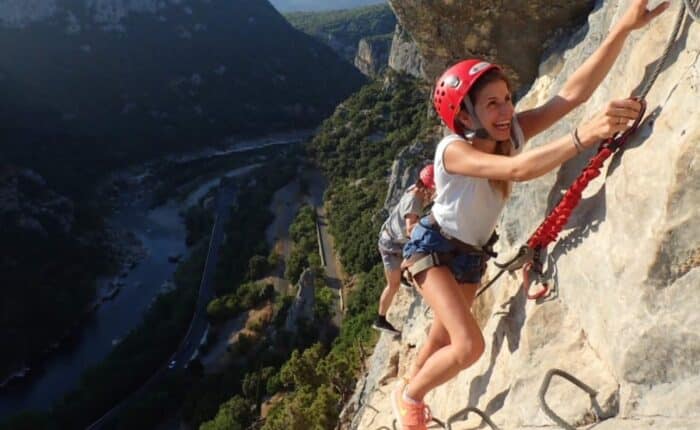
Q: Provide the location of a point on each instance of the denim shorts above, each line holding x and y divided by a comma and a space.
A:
390, 252
467, 267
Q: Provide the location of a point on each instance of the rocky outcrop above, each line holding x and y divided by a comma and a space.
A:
373, 54
404, 173
623, 316
404, 55
303, 305
515, 35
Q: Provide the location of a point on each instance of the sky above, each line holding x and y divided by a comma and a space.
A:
316, 5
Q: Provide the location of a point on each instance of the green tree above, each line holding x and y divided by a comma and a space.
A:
292, 412
300, 370
257, 267
235, 414
324, 301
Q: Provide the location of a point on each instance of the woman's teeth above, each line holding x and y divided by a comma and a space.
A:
505, 125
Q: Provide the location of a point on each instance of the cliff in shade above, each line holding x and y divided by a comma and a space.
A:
623, 315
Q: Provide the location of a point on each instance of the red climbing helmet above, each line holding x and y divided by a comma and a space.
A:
427, 176
454, 85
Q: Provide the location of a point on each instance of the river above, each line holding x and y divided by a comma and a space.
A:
161, 232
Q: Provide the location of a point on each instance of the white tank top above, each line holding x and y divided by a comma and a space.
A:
467, 208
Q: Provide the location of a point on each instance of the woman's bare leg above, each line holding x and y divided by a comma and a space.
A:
393, 279
450, 307
438, 336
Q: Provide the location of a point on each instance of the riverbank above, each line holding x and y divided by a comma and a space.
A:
145, 239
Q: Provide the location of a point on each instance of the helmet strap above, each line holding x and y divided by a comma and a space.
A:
478, 131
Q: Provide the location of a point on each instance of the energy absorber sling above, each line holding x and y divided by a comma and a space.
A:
529, 256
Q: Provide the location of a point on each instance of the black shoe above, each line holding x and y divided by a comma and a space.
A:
382, 324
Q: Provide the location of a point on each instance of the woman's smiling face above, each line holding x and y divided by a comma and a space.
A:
494, 107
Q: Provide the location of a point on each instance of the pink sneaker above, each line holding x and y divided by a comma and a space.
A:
409, 416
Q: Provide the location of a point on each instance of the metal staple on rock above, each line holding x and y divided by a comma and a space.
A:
545, 386
465, 412
393, 425
462, 414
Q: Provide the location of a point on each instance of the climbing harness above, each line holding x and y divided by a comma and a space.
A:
421, 261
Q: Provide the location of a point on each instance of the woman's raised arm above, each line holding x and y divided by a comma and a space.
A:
583, 82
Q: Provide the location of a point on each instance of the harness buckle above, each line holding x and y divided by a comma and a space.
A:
412, 267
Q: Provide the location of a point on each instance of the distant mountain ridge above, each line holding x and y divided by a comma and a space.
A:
318, 5
162, 69
343, 29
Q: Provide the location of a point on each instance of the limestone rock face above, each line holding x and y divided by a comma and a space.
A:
404, 55
373, 54
623, 316
512, 33
404, 173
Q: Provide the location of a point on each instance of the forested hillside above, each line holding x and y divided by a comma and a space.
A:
178, 72
343, 29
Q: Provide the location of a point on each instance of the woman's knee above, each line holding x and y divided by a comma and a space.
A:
437, 342
469, 349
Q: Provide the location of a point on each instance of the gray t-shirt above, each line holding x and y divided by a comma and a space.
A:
410, 203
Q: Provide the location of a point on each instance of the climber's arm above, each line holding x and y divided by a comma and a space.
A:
583, 82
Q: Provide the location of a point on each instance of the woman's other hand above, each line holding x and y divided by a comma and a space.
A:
616, 117
637, 14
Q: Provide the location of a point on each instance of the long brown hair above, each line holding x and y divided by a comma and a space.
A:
502, 147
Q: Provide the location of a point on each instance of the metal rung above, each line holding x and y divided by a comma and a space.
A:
550, 413
393, 425
462, 416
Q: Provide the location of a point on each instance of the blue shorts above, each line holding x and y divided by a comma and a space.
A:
467, 267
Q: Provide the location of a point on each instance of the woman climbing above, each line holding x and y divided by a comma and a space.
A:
393, 236
474, 169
